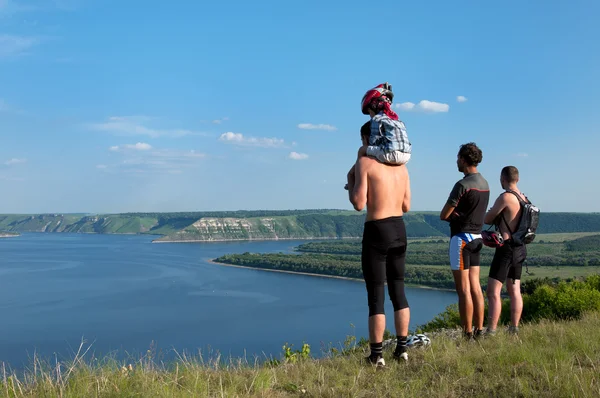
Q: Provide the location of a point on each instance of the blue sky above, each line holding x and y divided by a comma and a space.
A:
113, 106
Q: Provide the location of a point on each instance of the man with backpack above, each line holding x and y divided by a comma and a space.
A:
516, 220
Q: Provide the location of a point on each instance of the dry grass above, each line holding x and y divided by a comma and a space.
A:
547, 359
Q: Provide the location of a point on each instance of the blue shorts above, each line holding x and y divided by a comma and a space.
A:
465, 251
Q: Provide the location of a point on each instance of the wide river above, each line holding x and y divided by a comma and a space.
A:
124, 295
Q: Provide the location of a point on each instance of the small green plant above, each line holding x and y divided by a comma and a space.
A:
448, 319
567, 300
593, 281
293, 356
349, 343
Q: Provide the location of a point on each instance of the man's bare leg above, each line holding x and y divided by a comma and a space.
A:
376, 328
516, 301
494, 302
476, 297
465, 303
401, 321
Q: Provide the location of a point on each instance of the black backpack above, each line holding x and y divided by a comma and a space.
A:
528, 223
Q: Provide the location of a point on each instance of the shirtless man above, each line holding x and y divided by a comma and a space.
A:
508, 259
385, 191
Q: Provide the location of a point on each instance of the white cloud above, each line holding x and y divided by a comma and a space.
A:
101, 166
140, 146
424, 106
461, 98
11, 45
14, 161
431, 106
221, 120
405, 106
136, 125
310, 126
229, 136
522, 155
298, 156
241, 140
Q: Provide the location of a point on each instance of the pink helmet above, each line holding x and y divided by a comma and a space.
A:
381, 93
492, 239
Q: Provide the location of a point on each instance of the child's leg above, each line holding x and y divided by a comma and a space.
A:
374, 152
362, 151
395, 157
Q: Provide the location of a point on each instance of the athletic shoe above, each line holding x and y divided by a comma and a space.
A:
513, 330
400, 354
378, 362
401, 357
489, 332
478, 334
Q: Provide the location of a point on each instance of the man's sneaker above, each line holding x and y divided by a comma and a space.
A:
513, 330
378, 362
401, 357
489, 332
479, 333
400, 354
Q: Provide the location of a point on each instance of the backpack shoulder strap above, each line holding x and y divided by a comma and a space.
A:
519, 198
521, 201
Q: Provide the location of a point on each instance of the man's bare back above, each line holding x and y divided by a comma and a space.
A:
384, 188
512, 214
507, 205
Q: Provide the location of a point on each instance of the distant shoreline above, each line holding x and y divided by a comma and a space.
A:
320, 275
250, 240
286, 271
417, 238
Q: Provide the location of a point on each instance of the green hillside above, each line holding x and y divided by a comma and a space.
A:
259, 224
346, 224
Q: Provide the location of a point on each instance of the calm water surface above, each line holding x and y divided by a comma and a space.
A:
125, 294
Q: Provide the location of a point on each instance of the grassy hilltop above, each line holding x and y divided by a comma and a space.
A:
258, 225
549, 359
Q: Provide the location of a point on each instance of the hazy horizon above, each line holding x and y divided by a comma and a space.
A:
238, 210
